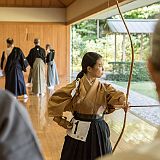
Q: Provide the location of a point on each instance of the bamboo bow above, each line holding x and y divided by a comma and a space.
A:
130, 76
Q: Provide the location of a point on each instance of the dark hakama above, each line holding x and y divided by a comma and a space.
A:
89, 102
97, 143
16, 63
52, 74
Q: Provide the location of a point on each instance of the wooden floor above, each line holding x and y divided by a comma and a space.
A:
51, 136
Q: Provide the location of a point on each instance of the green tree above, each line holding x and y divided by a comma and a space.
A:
85, 37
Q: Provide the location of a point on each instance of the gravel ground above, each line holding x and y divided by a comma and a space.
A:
149, 114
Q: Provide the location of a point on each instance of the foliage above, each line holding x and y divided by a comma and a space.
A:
87, 29
147, 12
84, 39
121, 70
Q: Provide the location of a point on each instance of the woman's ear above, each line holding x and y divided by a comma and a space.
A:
89, 69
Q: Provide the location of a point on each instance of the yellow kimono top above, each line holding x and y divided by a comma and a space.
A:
85, 98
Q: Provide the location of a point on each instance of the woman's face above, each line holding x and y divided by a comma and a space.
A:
97, 70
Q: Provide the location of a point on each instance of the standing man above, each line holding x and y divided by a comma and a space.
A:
52, 74
36, 60
14, 67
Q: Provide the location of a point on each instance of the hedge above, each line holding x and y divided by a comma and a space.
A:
121, 70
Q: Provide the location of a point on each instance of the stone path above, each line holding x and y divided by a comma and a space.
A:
149, 114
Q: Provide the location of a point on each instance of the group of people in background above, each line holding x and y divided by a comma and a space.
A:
13, 63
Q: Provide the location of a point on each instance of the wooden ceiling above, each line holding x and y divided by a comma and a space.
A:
36, 3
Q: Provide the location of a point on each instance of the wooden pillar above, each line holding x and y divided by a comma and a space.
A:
71, 52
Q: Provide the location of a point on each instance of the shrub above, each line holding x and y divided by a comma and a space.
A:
121, 70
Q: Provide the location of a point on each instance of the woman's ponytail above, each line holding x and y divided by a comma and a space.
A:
80, 75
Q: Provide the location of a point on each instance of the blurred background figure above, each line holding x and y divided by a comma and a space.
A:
147, 151
52, 74
36, 60
18, 140
15, 64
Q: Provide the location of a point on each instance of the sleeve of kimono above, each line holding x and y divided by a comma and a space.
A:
113, 97
23, 61
61, 100
42, 54
47, 58
17, 136
53, 54
30, 58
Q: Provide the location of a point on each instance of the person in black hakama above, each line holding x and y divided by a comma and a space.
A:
52, 74
88, 99
16, 63
36, 59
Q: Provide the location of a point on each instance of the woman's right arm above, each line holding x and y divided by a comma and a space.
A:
61, 100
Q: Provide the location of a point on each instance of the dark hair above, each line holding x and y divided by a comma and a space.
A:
36, 41
9, 41
89, 59
48, 46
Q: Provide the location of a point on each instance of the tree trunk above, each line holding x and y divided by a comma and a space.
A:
141, 52
123, 48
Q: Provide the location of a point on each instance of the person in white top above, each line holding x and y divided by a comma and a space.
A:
148, 151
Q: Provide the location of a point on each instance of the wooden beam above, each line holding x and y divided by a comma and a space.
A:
91, 11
